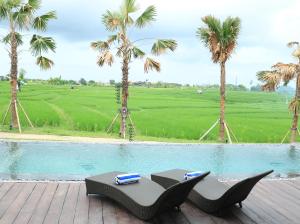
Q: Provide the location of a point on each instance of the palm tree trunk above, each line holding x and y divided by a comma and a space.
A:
14, 77
222, 103
294, 128
124, 109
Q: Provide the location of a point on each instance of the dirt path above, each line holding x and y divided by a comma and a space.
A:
35, 137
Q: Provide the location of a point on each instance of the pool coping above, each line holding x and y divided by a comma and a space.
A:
5, 136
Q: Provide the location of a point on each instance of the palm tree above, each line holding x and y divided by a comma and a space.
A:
285, 73
21, 16
221, 40
119, 22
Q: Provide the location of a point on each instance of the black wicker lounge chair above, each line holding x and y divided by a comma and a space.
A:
144, 199
210, 195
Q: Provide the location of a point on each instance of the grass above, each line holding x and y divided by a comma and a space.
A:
167, 114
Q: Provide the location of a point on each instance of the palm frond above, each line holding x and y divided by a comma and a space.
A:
220, 38
161, 46
151, 64
147, 17
22, 19
214, 25
137, 53
7, 39
3, 9
39, 44
129, 6
44, 63
288, 71
41, 22
100, 45
112, 38
230, 31
34, 4
13, 3
294, 105
271, 80
105, 58
111, 20
293, 43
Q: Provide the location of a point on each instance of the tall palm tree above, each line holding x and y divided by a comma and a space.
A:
119, 22
20, 16
285, 73
221, 40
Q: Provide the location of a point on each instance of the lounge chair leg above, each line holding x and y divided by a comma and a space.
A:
240, 204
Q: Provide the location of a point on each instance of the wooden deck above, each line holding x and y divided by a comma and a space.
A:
38, 202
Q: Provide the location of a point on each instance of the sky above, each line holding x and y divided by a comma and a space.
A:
267, 26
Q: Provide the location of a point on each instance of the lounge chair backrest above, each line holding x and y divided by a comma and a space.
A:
239, 192
177, 194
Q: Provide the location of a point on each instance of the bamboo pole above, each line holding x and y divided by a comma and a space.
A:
209, 130
230, 130
6, 113
25, 114
227, 132
18, 119
131, 123
285, 136
112, 123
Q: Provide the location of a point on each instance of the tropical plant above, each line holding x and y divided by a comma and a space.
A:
284, 73
221, 40
119, 22
21, 16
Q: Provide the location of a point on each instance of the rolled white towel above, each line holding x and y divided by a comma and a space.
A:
191, 175
128, 178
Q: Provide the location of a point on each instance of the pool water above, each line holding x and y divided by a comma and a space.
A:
75, 161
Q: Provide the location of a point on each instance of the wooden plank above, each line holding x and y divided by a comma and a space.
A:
12, 212
238, 213
284, 190
4, 188
195, 215
260, 211
55, 209
82, 207
30, 205
95, 210
277, 200
178, 217
9, 197
43, 205
268, 207
123, 216
69, 207
108, 211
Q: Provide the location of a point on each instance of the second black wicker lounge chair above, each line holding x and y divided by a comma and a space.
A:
211, 195
144, 199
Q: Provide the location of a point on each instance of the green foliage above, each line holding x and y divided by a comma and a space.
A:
41, 22
82, 81
41, 44
44, 63
220, 38
21, 15
7, 39
147, 17
157, 113
161, 46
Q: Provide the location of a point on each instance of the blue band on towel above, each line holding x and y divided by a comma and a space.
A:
191, 175
127, 178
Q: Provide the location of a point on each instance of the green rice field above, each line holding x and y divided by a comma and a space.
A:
161, 114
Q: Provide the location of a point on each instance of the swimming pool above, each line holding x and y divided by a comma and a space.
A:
75, 161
